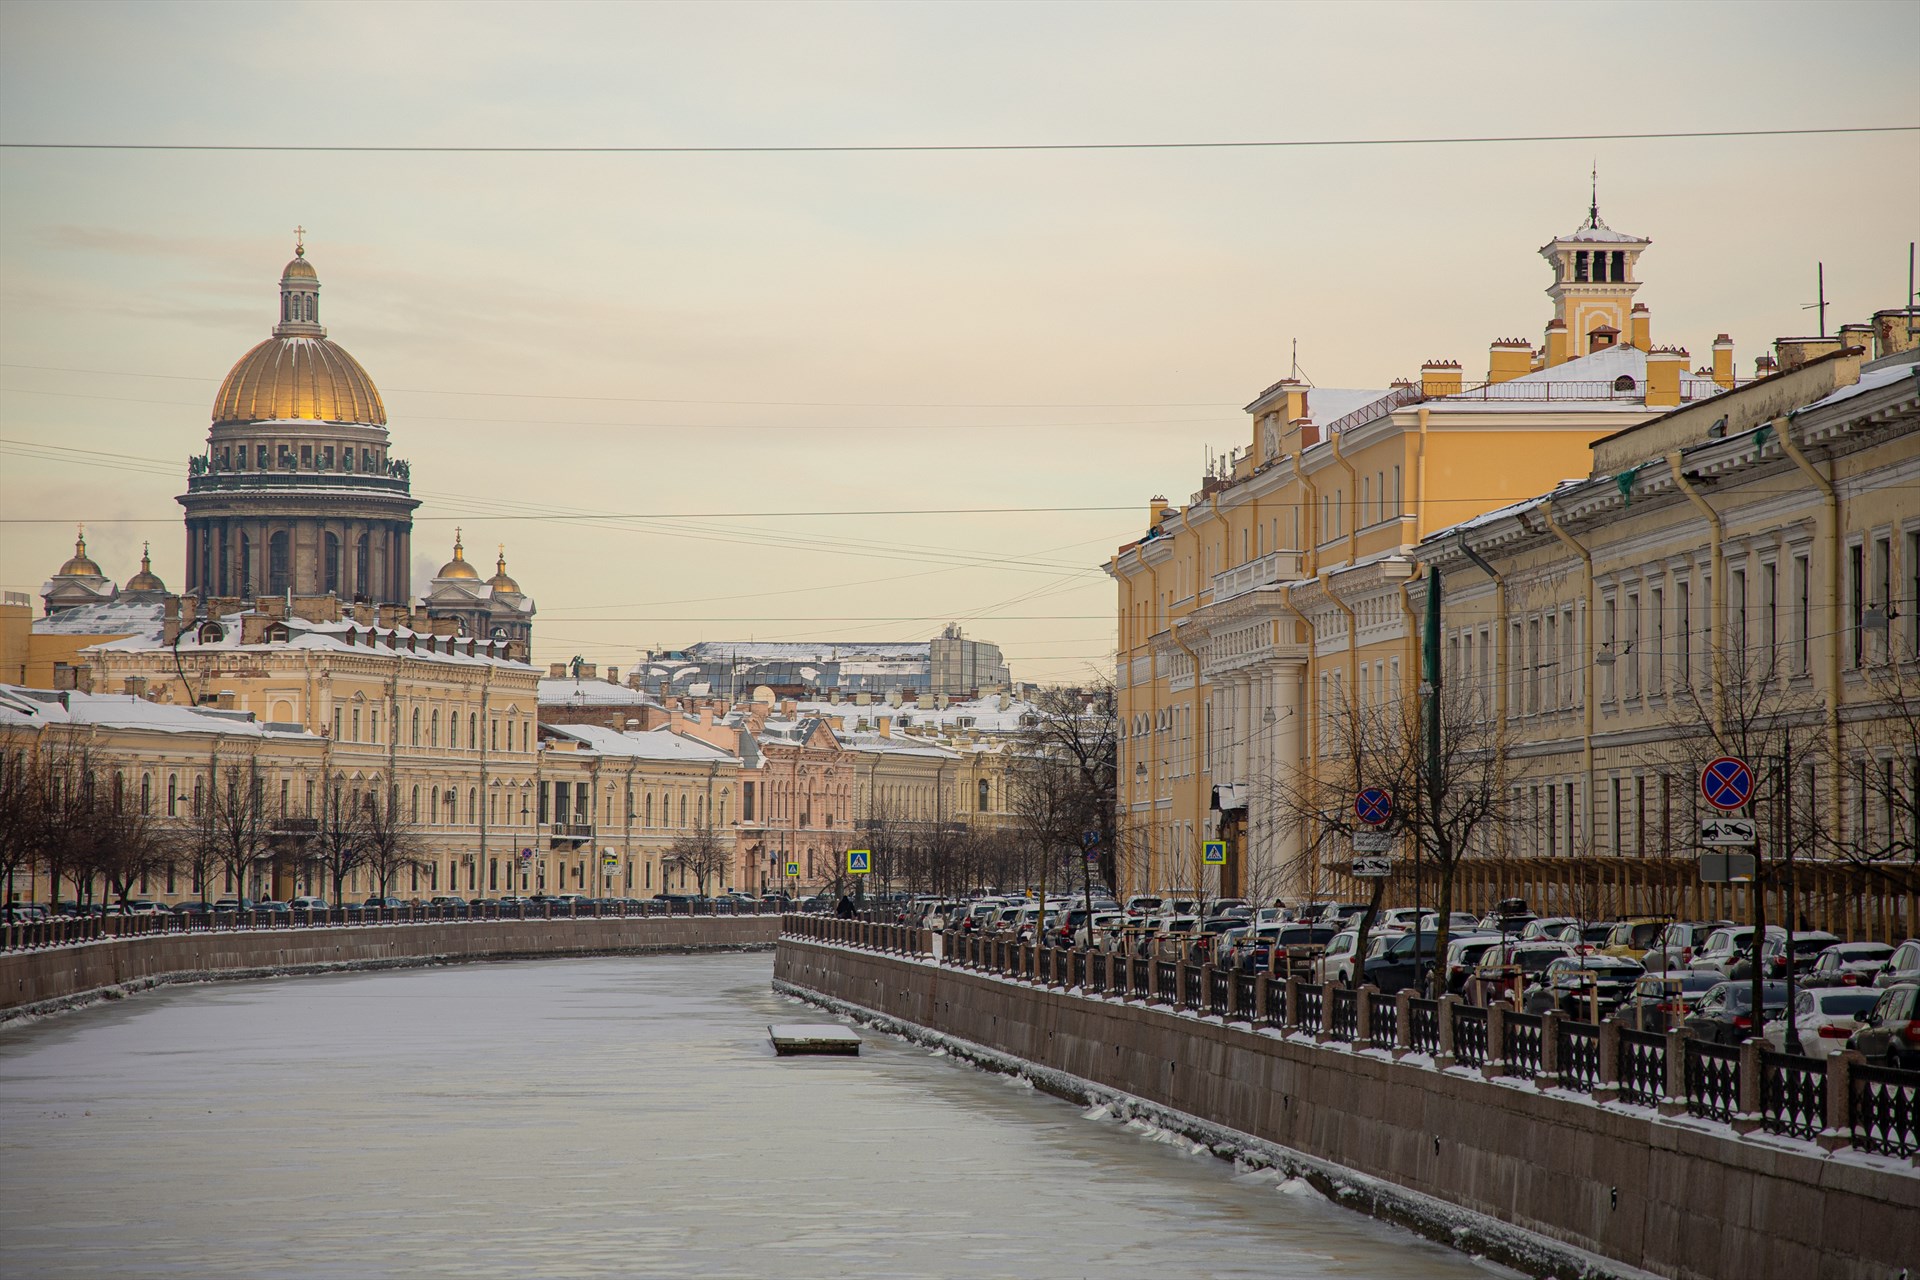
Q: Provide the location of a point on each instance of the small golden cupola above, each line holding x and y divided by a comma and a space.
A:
458, 566
502, 584
81, 565
145, 582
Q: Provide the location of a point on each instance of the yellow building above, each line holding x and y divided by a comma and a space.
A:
1279, 591
1734, 578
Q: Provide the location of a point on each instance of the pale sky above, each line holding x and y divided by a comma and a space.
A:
565, 338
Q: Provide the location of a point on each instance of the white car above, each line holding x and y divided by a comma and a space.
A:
1547, 928
1096, 928
1823, 1019
1725, 948
1849, 964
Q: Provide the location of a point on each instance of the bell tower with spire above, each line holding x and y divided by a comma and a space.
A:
1593, 287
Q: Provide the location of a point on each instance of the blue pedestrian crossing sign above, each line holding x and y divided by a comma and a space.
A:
1727, 783
793, 870
1214, 853
859, 862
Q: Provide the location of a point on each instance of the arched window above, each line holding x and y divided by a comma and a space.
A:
362, 569
683, 809
173, 795
279, 581
416, 726
433, 727
648, 820
986, 795
1624, 382
473, 731
433, 804
473, 807
414, 813
146, 793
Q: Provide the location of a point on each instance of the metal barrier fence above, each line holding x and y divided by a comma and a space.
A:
1836, 1101
61, 931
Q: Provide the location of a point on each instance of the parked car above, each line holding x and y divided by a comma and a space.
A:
1463, 957
1805, 947
308, 903
1632, 938
1399, 964
1902, 966
269, 907
1726, 946
1824, 1019
1849, 964
1891, 1033
1290, 949
1581, 986
1509, 966
1660, 1000
1336, 963
1550, 928
1678, 942
1725, 1014
385, 904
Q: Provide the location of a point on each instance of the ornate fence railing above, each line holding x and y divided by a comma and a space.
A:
1875, 1109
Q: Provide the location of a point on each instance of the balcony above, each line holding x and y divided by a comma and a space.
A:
1275, 566
294, 481
570, 832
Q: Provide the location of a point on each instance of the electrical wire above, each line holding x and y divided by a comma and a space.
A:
939, 147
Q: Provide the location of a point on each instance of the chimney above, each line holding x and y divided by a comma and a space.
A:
1640, 327
1509, 358
136, 686
676, 718
1764, 367
225, 700
1556, 342
886, 726
786, 707
940, 701
1858, 335
1156, 510
1723, 361
587, 670
613, 675
1794, 352
1440, 378
1894, 331
1306, 433
863, 699
1664, 367
557, 670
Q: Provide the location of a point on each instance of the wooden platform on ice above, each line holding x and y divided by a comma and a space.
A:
801, 1038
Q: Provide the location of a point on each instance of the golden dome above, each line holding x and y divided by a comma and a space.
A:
80, 566
458, 566
299, 268
146, 579
500, 582
299, 377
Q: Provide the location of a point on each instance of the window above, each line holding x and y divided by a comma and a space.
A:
330, 564
1683, 640
1880, 592
1630, 648
173, 795
1856, 600
416, 726
1657, 666
356, 724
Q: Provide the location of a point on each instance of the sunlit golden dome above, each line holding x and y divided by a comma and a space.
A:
458, 566
500, 582
289, 378
146, 579
297, 373
80, 566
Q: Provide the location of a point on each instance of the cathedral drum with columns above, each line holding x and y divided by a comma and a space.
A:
296, 491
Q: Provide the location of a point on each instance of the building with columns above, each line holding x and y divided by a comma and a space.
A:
296, 490
1279, 592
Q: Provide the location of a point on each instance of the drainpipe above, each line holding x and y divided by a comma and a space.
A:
1586, 667
1831, 500
1499, 666
1310, 555
1353, 490
1716, 604
1420, 482
1310, 725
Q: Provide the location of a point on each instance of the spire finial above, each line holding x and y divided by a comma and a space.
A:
502, 563
146, 556
299, 242
458, 552
80, 540
1593, 210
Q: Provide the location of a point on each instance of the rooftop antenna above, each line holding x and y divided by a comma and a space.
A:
1296, 359
1821, 305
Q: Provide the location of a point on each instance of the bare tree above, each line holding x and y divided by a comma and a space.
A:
23, 817
392, 844
136, 847
238, 820
1880, 744
1062, 781
340, 842
702, 854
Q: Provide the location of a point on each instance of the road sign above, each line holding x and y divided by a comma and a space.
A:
1726, 868
1372, 868
1089, 838
1214, 853
609, 860
1373, 806
1737, 833
859, 862
1727, 783
1372, 842
1093, 856
526, 855
793, 870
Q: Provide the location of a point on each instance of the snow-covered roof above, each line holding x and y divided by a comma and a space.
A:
37, 708
566, 691
107, 618
633, 744
1870, 381
804, 650
983, 714
873, 744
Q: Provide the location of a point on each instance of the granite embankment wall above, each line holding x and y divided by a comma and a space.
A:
44, 980
1670, 1195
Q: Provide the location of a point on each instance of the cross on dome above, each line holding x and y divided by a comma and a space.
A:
299, 242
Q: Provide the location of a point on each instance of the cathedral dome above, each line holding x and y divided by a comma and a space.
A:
299, 377
500, 582
80, 566
146, 580
458, 566
297, 373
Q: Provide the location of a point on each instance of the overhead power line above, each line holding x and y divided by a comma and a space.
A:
1247, 144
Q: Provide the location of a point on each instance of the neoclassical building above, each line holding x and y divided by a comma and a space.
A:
296, 490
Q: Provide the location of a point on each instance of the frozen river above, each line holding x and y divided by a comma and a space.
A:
607, 1117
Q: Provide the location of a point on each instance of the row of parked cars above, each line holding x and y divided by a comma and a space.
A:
1650, 973
444, 904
